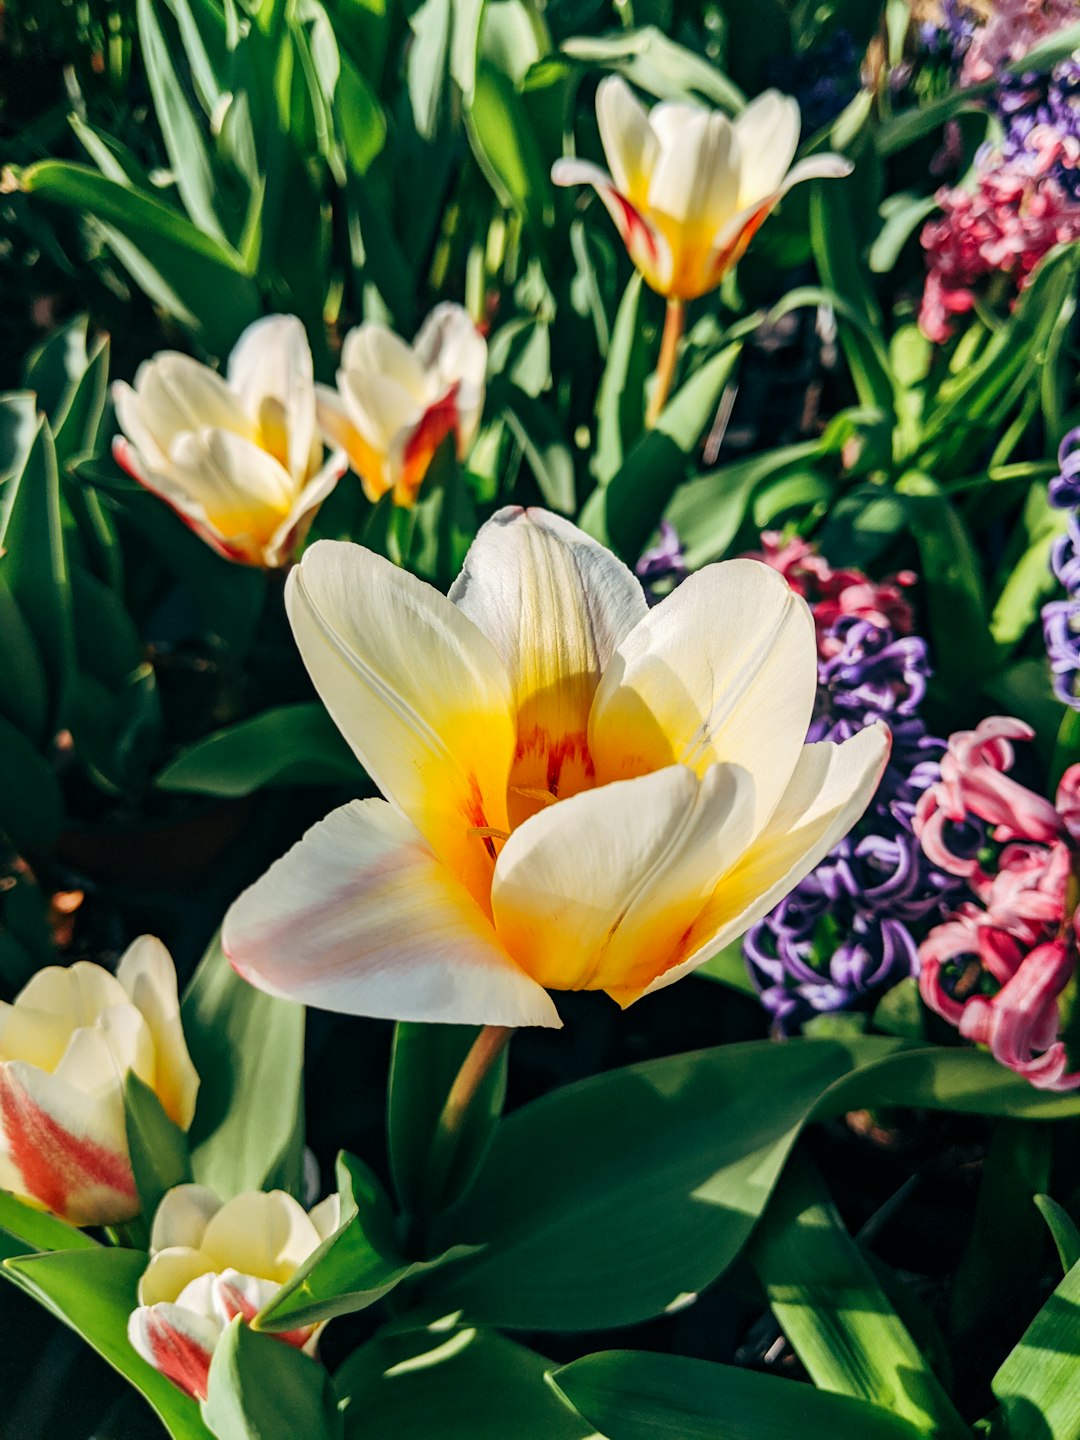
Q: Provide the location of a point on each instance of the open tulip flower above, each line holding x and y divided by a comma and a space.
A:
210, 1262
239, 458
582, 793
688, 188
67, 1044
396, 403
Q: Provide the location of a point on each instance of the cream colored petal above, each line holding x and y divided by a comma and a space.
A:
170, 1271
454, 354
671, 120
128, 408
380, 407
630, 146
182, 1217
831, 787
234, 479
723, 670
695, 182
646, 246
147, 973
555, 604
100, 1056
599, 891
326, 1216
69, 1149
76, 994
373, 350
293, 529
368, 460
177, 1342
262, 1233
271, 371
766, 138
360, 918
177, 394
244, 1295
32, 1035
418, 692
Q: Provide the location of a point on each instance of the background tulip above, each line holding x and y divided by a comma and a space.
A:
396, 403
211, 1262
583, 793
67, 1044
238, 458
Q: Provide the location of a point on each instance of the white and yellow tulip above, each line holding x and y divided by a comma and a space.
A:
238, 457
396, 403
210, 1262
67, 1044
687, 187
581, 793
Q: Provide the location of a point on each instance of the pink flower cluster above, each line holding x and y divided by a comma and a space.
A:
836, 593
997, 968
1005, 226
1014, 28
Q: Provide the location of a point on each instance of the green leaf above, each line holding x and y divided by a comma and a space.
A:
94, 1291
37, 1229
196, 279
501, 134
24, 689
31, 804
461, 1385
158, 1147
1063, 1228
441, 525
53, 368
828, 1302
626, 511
620, 400
263, 1389
685, 1151
427, 64
643, 1396
286, 745
546, 452
729, 968
900, 1011
423, 1066
18, 425
248, 1050
357, 1265
1036, 1386
659, 65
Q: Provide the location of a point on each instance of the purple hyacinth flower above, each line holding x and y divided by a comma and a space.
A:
1061, 632
1063, 491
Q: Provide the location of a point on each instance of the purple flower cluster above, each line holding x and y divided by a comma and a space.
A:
662, 567
1061, 618
1040, 115
845, 934
952, 35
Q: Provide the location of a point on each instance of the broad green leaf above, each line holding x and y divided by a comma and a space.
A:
620, 400
263, 1389
901, 216
428, 63
357, 1265
24, 687
18, 425
827, 1300
38, 1230
94, 1291
34, 562
248, 1051
457, 1385
423, 1066
1063, 1228
643, 1396
626, 511
905, 129
546, 452
158, 1148
506, 147
1036, 1386
286, 745
900, 1011
684, 1150
54, 366
191, 275
440, 527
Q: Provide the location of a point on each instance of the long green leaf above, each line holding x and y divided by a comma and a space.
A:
262, 1389
1036, 1387
286, 745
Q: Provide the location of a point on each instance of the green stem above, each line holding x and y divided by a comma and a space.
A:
674, 323
484, 1051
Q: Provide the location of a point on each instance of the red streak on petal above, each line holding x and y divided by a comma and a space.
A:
437, 422
178, 1357
235, 1302
633, 226
57, 1167
124, 456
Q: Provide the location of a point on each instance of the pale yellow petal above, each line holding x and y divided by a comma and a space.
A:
262, 1233
182, 1217
630, 146
271, 371
170, 1271
147, 973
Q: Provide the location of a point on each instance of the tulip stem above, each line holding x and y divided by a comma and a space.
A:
674, 324
483, 1053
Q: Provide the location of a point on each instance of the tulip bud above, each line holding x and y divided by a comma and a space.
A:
396, 403
239, 457
67, 1045
211, 1262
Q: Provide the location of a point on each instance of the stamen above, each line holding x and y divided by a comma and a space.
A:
488, 832
531, 792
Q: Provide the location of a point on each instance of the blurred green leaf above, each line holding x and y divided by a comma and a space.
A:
31, 805
1036, 1386
286, 745
641, 1396
248, 1051
263, 1389
54, 366
507, 150
37, 1229
659, 65
158, 1148
620, 400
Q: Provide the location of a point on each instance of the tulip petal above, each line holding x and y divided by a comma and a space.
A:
766, 138
695, 181
630, 146
296, 524
271, 371
361, 918
554, 604
261, 1233
182, 1217
170, 1272
372, 349
597, 892
177, 1342
831, 787
417, 691
175, 394
338, 430
723, 670
69, 1149
147, 973
454, 353
51, 1005
647, 248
